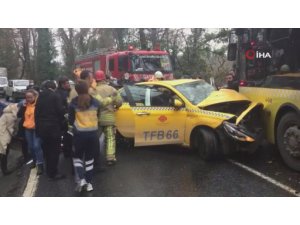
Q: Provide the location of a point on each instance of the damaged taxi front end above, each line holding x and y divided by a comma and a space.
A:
243, 130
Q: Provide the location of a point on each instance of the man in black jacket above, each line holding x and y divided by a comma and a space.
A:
63, 90
49, 116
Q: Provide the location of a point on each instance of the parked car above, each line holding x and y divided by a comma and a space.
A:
191, 113
16, 89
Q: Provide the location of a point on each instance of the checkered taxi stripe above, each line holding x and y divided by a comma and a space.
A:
155, 108
200, 111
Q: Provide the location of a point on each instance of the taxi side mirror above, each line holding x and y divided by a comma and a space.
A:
177, 103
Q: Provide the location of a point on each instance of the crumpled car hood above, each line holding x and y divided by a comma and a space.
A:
230, 102
221, 96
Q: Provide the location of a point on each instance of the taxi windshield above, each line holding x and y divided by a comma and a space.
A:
196, 91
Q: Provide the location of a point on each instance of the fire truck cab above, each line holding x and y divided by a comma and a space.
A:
127, 66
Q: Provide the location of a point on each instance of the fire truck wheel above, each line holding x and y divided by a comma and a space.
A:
206, 144
288, 140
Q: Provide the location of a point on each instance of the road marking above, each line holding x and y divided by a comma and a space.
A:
31, 184
266, 178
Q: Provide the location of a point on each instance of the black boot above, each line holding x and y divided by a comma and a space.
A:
40, 169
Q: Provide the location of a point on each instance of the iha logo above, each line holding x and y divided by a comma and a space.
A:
251, 54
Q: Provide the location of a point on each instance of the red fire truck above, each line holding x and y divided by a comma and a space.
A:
134, 65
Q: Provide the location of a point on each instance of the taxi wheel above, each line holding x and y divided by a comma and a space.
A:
207, 144
288, 140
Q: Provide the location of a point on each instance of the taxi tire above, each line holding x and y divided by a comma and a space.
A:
207, 146
286, 121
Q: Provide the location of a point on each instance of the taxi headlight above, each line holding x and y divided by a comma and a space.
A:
236, 132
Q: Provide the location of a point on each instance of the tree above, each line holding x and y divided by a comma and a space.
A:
143, 40
120, 36
82, 40
9, 57
46, 66
203, 53
24, 35
68, 48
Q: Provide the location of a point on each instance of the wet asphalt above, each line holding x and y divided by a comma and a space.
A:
168, 171
163, 171
13, 184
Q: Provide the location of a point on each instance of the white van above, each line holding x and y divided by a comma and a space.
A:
3, 85
16, 89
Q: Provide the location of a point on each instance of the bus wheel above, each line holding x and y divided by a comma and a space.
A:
206, 144
288, 140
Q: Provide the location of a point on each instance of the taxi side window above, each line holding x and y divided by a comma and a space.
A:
123, 95
136, 95
161, 96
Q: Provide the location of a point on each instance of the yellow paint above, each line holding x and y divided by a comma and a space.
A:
273, 100
133, 122
223, 95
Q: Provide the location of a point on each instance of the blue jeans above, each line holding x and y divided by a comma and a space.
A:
34, 146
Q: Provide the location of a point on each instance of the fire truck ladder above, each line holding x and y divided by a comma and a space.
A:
101, 51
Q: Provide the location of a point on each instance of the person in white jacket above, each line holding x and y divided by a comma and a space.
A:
7, 128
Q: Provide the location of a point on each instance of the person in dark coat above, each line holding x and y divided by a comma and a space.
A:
63, 90
49, 116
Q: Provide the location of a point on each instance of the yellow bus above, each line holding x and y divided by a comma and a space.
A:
280, 96
266, 69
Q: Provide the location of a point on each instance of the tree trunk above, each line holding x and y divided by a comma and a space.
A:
25, 36
143, 39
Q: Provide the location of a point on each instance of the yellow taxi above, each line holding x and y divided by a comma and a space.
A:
191, 113
280, 95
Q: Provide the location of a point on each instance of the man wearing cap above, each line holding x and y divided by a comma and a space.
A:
107, 115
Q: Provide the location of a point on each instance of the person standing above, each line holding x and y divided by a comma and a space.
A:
104, 101
49, 117
87, 76
107, 115
29, 124
7, 125
21, 133
63, 90
83, 112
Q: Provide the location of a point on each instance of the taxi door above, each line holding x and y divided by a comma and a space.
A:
157, 121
